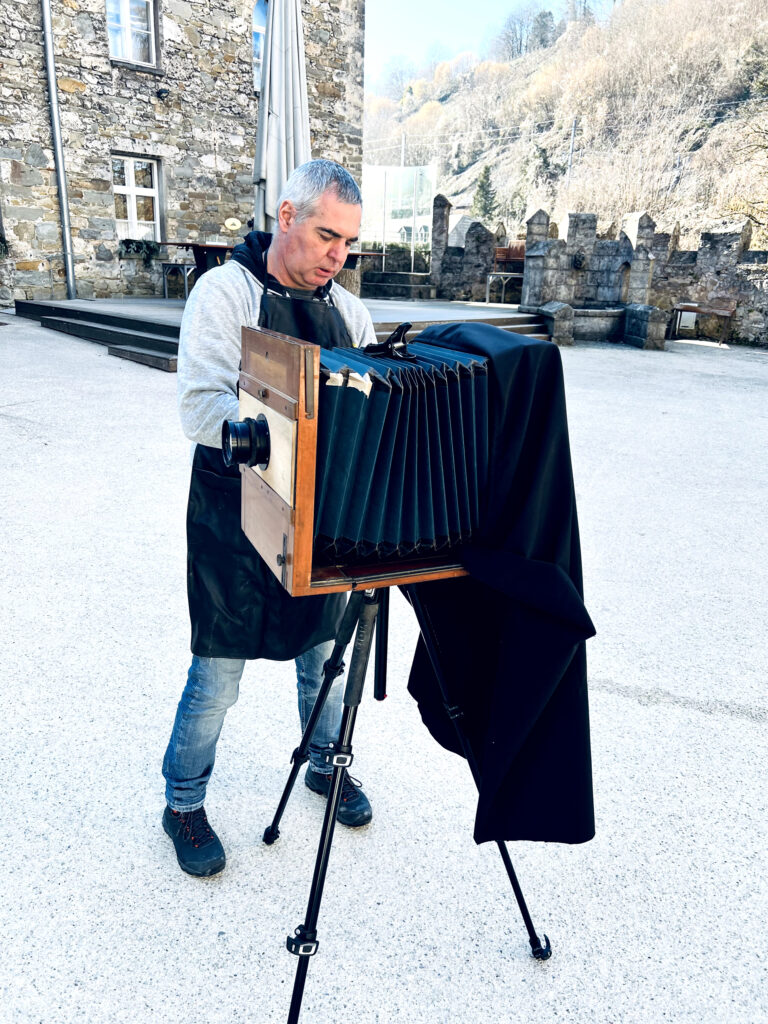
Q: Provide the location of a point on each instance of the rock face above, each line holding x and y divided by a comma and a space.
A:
195, 113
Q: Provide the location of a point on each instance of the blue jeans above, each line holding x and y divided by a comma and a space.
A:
212, 688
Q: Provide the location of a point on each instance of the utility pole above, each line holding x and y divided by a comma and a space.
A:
570, 154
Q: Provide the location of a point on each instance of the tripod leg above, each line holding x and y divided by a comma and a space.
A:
332, 668
382, 637
456, 714
303, 943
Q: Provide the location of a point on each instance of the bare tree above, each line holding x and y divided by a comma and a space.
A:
397, 73
512, 41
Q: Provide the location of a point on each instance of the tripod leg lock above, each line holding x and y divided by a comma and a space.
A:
338, 671
302, 942
339, 756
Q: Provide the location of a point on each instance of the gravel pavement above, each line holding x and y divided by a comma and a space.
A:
661, 918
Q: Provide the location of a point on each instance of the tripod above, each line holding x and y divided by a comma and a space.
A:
361, 614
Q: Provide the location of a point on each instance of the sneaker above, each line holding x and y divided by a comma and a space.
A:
198, 848
354, 809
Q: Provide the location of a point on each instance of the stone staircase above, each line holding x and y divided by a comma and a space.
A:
128, 335
378, 284
529, 324
148, 332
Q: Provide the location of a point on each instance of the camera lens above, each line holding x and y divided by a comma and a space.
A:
236, 442
246, 442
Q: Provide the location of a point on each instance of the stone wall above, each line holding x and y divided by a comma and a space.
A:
646, 268
202, 132
723, 271
334, 32
584, 270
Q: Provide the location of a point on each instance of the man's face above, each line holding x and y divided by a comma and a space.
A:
312, 251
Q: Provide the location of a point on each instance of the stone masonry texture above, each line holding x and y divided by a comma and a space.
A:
203, 132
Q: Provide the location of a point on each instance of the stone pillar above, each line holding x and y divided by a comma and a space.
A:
533, 276
441, 211
639, 229
644, 326
580, 243
477, 264
640, 274
558, 317
536, 229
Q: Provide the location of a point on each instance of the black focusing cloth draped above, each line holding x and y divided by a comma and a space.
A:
512, 634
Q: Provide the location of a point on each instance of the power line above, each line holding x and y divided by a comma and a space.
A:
527, 127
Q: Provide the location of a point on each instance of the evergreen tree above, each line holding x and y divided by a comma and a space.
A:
542, 32
484, 204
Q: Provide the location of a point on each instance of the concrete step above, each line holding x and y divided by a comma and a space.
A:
530, 328
537, 336
34, 310
533, 327
157, 359
108, 334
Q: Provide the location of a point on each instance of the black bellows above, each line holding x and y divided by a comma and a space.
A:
402, 453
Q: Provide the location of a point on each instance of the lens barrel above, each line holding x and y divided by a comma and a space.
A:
246, 442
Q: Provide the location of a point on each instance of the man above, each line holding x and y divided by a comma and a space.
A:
238, 610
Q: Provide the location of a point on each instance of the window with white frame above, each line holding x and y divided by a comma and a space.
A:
131, 29
259, 33
137, 194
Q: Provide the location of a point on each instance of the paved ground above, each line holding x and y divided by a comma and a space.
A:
660, 919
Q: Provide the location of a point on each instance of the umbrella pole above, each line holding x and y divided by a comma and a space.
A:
456, 714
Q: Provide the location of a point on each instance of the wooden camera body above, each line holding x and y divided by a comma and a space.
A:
280, 379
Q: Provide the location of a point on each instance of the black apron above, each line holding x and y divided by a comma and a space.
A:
237, 607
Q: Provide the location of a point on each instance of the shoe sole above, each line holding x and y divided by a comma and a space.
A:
195, 874
346, 824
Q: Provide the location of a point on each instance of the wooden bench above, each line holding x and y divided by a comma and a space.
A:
723, 309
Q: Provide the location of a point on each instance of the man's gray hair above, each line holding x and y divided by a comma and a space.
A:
311, 180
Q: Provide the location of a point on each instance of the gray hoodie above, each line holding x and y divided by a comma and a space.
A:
225, 299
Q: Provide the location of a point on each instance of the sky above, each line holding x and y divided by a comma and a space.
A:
412, 28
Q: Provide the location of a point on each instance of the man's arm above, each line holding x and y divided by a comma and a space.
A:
209, 354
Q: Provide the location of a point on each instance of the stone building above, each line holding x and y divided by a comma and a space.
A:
158, 118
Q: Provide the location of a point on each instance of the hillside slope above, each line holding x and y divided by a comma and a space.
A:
670, 103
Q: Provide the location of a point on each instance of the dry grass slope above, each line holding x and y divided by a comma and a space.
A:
670, 99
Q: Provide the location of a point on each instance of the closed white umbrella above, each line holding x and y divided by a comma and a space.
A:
282, 138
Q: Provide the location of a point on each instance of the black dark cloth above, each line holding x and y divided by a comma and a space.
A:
511, 635
237, 607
